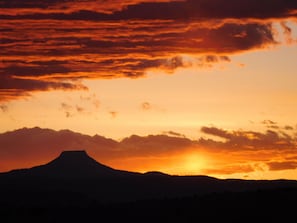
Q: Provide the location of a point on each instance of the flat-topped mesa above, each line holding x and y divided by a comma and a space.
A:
76, 164
74, 154
78, 161
78, 157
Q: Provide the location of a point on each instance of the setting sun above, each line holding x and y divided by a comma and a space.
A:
148, 110
137, 83
194, 163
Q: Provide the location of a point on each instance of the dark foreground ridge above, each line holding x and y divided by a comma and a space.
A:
75, 187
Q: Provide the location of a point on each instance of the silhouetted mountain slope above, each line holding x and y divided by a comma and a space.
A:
72, 164
32, 146
76, 188
27, 147
76, 179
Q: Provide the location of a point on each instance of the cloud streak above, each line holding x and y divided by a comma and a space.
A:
250, 139
51, 45
241, 152
154, 9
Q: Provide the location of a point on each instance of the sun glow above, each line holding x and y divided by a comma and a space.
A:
194, 162
190, 162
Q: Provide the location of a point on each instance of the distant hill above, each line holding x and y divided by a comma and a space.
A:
76, 188
74, 172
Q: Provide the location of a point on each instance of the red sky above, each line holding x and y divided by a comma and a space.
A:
216, 74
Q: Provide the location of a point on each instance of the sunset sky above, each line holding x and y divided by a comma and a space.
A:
184, 87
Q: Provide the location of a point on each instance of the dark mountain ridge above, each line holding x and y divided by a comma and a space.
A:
33, 146
75, 174
76, 188
71, 165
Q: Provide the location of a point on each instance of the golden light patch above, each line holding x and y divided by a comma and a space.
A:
194, 163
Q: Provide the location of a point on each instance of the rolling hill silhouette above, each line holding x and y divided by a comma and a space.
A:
75, 171
76, 187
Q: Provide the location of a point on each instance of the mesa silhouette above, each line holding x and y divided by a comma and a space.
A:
72, 164
76, 175
76, 188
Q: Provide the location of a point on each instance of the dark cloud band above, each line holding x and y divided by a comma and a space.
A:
43, 47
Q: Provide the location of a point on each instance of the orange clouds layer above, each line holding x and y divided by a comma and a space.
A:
237, 152
48, 45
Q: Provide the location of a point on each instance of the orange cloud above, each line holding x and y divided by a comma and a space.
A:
67, 109
151, 9
18, 7
113, 114
241, 152
249, 139
146, 106
284, 165
3, 107
48, 45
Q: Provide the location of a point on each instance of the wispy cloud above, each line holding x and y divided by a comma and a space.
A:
146, 106
250, 139
175, 134
49, 45
284, 165
3, 107
67, 109
91, 98
113, 114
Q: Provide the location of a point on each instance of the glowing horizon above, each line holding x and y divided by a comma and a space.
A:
218, 75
